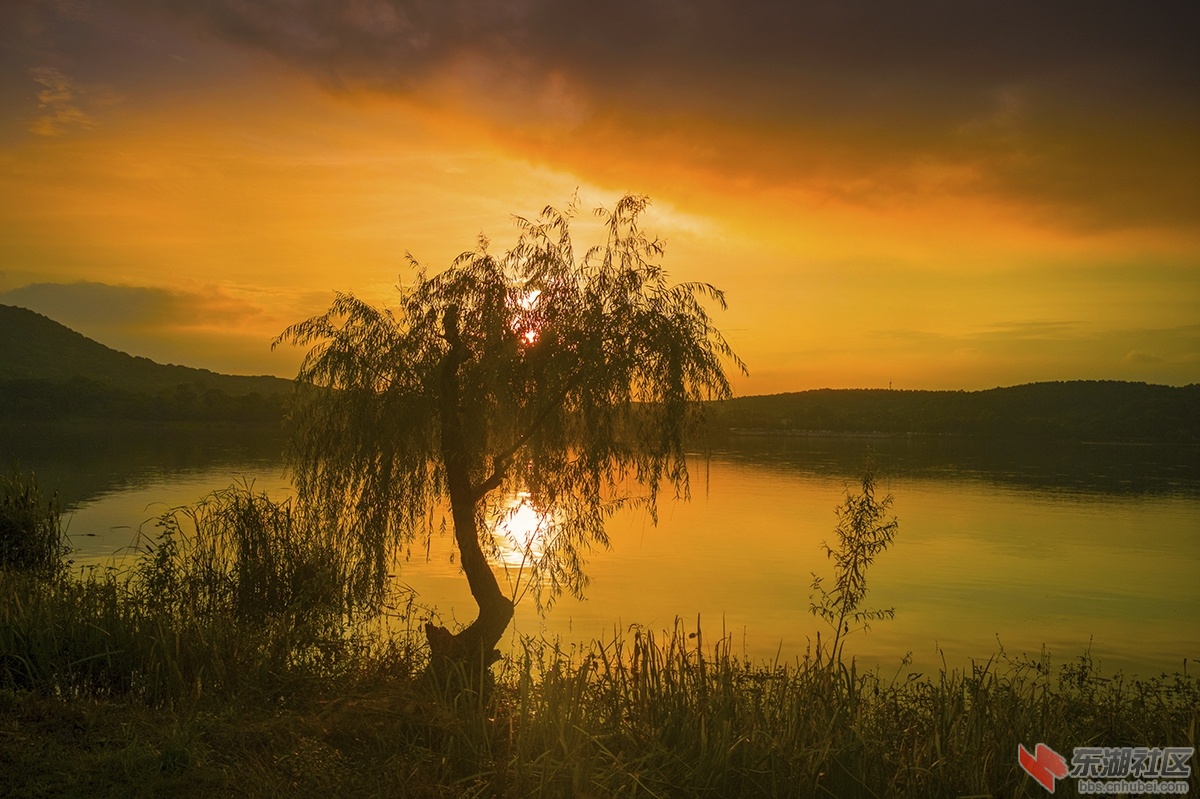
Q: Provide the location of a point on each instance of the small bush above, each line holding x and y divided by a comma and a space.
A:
865, 529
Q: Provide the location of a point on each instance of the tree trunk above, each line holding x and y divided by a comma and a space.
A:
475, 644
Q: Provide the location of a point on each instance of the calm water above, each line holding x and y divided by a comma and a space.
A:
1024, 547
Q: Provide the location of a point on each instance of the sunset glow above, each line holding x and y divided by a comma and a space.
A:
1008, 196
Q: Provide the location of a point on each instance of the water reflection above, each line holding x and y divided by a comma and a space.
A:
1068, 546
520, 533
114, 478
1124, 469
86, 459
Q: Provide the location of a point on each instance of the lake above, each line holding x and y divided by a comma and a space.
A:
1025, 546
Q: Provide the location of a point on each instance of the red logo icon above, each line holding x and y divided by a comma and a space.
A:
1045, 766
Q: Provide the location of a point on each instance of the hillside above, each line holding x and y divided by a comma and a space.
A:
1078, 410
47, 369
35, 347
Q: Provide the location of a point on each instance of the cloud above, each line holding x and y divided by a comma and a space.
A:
1075, 114
57, 104
1083, 112
707, 48
1062, 342
1004, 333
1016, 353
88, 306
1136, 357
64, 104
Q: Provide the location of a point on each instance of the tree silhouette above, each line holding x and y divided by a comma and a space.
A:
865, 529
570, 380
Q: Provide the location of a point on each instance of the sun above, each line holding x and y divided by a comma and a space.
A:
526, 323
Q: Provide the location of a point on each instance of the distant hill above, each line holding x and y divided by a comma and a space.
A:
33, 346
47, 369
1082, 410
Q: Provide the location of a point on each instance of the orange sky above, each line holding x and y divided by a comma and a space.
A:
894, 197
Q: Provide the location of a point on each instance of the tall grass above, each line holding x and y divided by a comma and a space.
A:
666, 717
32, 538
236, 595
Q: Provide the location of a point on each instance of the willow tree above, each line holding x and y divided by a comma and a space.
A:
573, 380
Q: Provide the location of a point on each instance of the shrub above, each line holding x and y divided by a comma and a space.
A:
864, 530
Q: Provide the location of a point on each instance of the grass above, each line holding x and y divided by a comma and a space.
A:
32, 538
640, 716
258, 673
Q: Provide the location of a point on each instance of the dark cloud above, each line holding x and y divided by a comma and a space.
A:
686, 45
1084, 110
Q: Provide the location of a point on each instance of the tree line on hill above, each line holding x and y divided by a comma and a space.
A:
82, 397
1083, 410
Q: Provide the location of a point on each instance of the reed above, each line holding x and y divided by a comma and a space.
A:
235, 596
665, 716
32, 537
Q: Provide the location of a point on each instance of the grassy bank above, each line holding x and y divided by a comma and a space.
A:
643, 716
266, 672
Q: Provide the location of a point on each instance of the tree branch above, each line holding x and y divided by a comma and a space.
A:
500, 461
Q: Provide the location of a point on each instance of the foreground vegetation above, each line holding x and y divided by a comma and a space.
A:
240, 657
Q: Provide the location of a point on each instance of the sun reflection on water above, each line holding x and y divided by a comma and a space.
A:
521, 533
